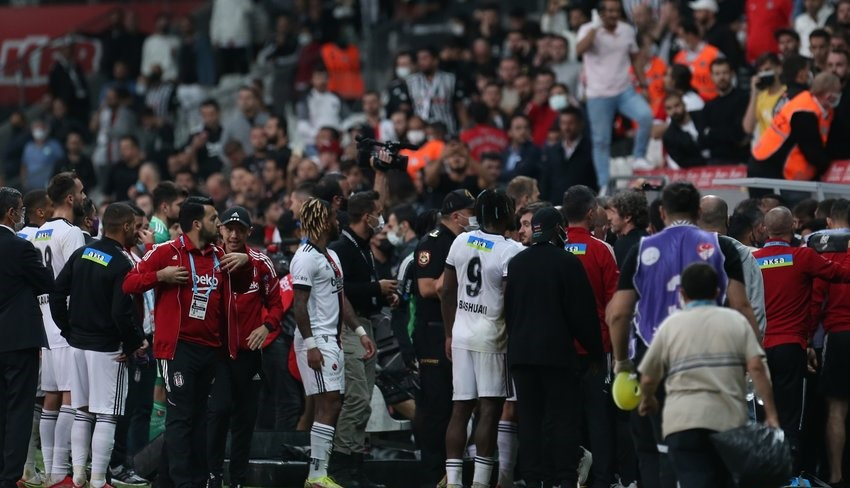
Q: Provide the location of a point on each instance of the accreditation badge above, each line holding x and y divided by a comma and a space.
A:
198, 308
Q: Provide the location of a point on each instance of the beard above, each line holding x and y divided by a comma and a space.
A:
209, 236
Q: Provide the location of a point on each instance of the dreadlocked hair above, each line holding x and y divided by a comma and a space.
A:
315, 218
494, 208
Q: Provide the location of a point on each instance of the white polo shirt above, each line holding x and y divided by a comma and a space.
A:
606, 63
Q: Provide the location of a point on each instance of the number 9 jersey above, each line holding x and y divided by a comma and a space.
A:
481, 262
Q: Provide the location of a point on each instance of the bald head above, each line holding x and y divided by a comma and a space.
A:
714, 214
779, 223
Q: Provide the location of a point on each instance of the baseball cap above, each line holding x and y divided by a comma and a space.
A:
710, 5
545, 223
236, 214
457, 200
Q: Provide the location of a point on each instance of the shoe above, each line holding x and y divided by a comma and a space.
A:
584, 466
126, 476
68, 482
38, 480
641, 164
214, 481
322, 482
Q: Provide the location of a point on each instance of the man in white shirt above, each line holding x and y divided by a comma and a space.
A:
814, 17
607, 48
160, 48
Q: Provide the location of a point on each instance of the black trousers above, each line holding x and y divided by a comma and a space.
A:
18, 382
233, 408
599, 414
282, 396
188, 379
133, 428
695, 461
787, 364
434, 399
550, 423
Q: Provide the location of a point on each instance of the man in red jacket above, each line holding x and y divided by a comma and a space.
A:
788, 276
236, 390
597, 258
194, 282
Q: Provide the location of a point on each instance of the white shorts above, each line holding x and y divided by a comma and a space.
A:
39, 393
332, 375
480, 374
100, 382
57, 368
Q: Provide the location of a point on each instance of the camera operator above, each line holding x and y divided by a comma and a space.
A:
766, 89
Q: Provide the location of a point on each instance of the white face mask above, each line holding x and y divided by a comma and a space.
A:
558, 102
395, 238
416, 136
380, 226
39, 134
835, 100
20, 223
472, 224
402, 71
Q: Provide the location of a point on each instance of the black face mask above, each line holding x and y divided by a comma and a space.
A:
766, 80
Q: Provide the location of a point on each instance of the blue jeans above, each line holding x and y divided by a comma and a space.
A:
601, 112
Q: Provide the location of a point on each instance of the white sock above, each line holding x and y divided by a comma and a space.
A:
483, 470
454, 472
507, 442
29, 465
102, 442
62, 444
81, 445
47, 430
321, 442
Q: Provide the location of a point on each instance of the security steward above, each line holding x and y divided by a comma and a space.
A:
794, 147
234, 398
434, 401
789, 273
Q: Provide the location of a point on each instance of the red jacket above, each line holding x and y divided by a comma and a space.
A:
482, 139
599, 263
261, 304
287, 296
788, 276
830, 303
542, 119
171, 313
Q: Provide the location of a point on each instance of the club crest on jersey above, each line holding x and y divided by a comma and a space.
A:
43, 235
96, 256
779, 261
480, 243
424, 258
705, 250
178, 379
579, 248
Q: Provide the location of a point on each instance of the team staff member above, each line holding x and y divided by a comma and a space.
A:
194, 282
99, 321
549, 306
236, 389
368, 295
794, 147
628, 215
788, 276
652, 290
23, 278
434, 402
597, 259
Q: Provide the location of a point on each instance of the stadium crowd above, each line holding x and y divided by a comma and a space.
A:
252, 271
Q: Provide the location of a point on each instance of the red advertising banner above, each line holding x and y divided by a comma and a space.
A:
839, 172
703, 177
28, 40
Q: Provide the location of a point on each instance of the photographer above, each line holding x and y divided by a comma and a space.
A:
765, 90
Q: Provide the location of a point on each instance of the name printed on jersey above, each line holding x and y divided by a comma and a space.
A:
779, 261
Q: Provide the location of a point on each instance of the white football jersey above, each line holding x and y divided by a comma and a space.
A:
310, 269
481, 262
56, 240
27, 232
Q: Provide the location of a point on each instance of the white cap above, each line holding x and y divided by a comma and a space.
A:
710, 5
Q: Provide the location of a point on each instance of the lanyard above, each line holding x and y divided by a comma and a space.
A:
700, 303
195, 275
777, 243
370, 259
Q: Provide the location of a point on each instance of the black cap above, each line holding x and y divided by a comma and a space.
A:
457, 200
236, 214
545, 223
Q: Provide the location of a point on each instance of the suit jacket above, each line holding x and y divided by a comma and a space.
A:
559, 172
23, 278
528, 165
682, 147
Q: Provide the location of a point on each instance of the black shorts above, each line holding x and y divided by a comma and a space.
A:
836, 365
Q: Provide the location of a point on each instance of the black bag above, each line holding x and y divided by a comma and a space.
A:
756, 455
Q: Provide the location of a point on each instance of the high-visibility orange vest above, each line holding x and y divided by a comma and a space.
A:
796, 167
701, 70
343, 65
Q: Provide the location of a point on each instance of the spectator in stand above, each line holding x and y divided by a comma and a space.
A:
259, 144
491, 96
156, 137
60, 123
814, 17
205, 143
840, 19
524, 191
838, 63
681, 138
436, 95
251, 114
717, 33
522, 156
40, 157
321, 108
698, 55
539, 111
566, 69
230, 32
766, 89
341, 59
788, 42
450, 172
195, 60
819, 47
123, 175
120, 79
571, 161
508, 72
764, 18
277, 135
654, 70
722, 132
160, 48
280, 54
381, 127
482, 137
76, 161
19, 136
112, 121
606, 49
395, 95
68, 81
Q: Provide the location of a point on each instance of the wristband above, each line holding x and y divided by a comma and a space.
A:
360, 331
310, 343
268, 327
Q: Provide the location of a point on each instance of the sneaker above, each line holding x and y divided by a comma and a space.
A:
68, 482
38, 480
322, 482
641, 164
126, 476
584, 466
